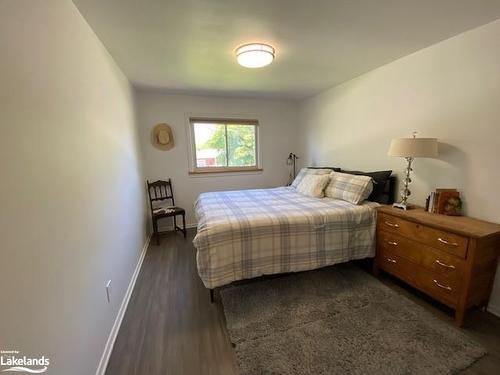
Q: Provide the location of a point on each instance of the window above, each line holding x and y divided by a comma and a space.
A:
224, 145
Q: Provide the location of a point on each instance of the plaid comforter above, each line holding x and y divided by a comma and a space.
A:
248, 233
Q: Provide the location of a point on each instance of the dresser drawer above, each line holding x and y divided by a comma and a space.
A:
433, 259
438, 286
448, 242
399, 245
396, 265
442, 288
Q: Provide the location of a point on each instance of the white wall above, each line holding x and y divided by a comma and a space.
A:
71, 189
278, 129
451, 91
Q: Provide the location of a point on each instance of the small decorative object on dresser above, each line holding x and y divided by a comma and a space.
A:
452, 206
453, 259
444, 202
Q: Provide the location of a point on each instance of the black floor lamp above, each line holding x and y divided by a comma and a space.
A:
291, 161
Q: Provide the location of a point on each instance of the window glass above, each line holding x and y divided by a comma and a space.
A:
224, 145
211, 147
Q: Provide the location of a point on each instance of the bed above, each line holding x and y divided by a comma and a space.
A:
249, 233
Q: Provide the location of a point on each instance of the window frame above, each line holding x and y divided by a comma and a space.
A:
236, 120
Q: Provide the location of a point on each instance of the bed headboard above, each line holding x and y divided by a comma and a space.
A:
388, 196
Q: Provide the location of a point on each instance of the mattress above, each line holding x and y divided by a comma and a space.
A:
249, 233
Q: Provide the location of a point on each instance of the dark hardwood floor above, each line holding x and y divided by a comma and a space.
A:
171, 327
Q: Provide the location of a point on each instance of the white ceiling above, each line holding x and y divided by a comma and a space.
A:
187, 46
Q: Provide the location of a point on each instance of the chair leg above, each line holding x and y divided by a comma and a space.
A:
212, 299
184, 225
175, 223
155, 232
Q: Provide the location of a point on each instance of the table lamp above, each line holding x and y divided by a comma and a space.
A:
410, 148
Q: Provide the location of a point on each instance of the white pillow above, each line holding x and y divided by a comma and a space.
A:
305, 171
349, 187
313, 185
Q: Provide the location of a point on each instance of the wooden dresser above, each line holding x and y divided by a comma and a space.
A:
452, 259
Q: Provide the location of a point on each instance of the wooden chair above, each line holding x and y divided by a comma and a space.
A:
159, 191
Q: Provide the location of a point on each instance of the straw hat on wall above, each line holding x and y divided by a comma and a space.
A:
162, 137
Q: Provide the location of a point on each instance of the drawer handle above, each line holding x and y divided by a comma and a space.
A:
444, 264
391, 260
393, 225
447, 242
441, 285
392, 243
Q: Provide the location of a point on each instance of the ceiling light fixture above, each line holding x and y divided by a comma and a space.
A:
255, 55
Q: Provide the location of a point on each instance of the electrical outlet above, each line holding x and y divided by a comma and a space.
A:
108, 290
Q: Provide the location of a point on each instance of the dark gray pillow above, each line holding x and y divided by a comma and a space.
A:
379, 181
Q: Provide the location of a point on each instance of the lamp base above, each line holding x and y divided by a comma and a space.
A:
402, 206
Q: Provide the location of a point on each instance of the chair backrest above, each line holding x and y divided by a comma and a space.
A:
159, 191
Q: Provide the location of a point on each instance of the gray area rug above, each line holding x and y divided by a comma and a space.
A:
338, 320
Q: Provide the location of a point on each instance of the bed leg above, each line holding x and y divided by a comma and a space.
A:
212, 299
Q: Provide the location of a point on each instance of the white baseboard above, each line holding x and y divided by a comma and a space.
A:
495, 310
101, 369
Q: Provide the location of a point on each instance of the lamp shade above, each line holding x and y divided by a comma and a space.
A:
414, 147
